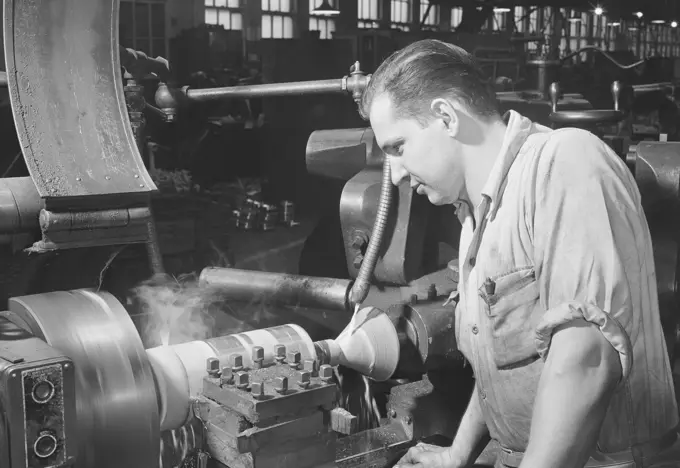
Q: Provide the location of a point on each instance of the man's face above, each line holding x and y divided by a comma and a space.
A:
429, 156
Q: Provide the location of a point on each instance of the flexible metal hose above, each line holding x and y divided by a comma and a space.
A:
362, 285
609, 57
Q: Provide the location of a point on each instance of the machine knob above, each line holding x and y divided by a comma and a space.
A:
45, 445
616, 93
42, 392
555, 92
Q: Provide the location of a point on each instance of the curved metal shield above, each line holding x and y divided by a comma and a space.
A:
66, 90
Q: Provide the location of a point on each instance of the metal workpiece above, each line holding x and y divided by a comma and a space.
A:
657, 173
117, 406
66, 91
20, 205
279, 288
342, 153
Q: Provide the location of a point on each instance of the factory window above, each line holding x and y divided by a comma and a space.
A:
500, 21
430, 15
277, 19
401, 14
225, 13
142, 27
319, 22
456, 17
369, 14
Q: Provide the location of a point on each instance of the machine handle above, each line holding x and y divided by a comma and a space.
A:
585, 117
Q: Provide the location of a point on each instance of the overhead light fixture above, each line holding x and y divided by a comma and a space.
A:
598, 11
674, 24
632, 28
639, 14
325, 9
658, 21
614, 24
501, 10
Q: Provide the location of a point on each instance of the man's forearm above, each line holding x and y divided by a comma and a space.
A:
572, 399
472, 436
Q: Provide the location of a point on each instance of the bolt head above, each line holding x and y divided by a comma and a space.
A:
358, 242
258, 353
281, 384
236, 361
358, 260
304, 377
257, 389
242, 379
294, 357
280, 351
212, 365
326, 372
310, 366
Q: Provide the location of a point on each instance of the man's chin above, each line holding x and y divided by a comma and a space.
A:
436, 199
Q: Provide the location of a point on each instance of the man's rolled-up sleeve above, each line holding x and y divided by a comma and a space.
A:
585, 207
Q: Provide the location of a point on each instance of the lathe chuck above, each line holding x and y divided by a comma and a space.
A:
116, 403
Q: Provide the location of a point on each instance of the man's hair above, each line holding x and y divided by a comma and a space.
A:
425, 70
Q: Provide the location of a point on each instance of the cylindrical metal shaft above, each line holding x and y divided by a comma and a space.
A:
281, 288
267, 90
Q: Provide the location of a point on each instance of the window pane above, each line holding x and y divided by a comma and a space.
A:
142, 20
287, 27
274, 5
210, 16
158, 19
236, 21
224, 19
266, 26
265, 5
277, 27
286, 6
233, 4
209, 2
221, 3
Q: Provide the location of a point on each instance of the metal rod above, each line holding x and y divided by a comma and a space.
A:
268, 90
281, 288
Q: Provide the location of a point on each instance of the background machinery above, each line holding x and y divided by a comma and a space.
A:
80, 387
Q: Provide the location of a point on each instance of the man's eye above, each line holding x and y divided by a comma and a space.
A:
399, 150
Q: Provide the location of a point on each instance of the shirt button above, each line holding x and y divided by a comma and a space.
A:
482, 394
475, 330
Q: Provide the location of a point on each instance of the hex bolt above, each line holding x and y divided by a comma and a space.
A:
294, 358
257, 390
242, 380
258, 356
326, 373
393, 413
413, 299
280, 353
359, 242
304, 379
281, 385
358, 260
311, 366
236, 361
227, 377
432, 292
212, 366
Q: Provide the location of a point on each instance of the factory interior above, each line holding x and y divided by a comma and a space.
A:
191, 208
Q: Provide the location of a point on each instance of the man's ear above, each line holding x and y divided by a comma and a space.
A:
444, 112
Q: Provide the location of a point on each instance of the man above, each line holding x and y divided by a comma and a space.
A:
558, 311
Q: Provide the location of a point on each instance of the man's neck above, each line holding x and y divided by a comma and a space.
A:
480, 158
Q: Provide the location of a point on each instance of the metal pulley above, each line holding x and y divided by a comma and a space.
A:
585, 118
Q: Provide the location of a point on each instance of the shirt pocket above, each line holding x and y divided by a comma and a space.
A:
512, 303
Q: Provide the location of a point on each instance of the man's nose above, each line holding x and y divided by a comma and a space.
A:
398, 171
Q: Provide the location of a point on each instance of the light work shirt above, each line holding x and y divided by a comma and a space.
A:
560, 235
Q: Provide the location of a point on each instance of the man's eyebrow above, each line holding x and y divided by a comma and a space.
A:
392, 144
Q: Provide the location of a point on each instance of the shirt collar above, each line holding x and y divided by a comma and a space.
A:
518, 130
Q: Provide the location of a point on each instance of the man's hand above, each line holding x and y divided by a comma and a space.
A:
426, 456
